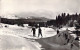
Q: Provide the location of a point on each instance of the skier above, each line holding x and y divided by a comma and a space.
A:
40, 32
66, 36
57, 31
33, 29
76, 32
71, 46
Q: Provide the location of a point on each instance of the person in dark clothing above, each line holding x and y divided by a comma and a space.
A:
76, 32
33, 29
66, 36
71, 45
57, 31
40, 32
68, 40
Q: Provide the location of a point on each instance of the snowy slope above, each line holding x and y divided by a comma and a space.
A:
11, 40
15, 37
26, 31
59, 42
8, 42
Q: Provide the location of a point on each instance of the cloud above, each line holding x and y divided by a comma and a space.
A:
56, 6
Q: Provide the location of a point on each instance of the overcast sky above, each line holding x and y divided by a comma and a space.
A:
56, 6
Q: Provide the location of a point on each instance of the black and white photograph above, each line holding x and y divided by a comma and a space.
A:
39, 24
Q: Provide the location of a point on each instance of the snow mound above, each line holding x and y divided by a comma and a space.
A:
8, 42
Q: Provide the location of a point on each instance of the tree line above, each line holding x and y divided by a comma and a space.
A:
64, 19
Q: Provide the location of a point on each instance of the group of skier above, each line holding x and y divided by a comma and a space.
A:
39, 31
